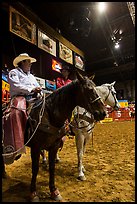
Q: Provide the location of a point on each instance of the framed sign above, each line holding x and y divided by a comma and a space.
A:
65, 53
46, 43
78, 61
50, 85
40, 81
21, 26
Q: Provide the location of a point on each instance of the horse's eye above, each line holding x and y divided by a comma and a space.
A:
89, 86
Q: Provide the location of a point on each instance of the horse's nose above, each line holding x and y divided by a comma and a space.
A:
99, 115
117, 107
103, 115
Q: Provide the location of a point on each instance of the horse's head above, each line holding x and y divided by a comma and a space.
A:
108, 95
89, 99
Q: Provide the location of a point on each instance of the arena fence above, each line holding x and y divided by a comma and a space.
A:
122, 114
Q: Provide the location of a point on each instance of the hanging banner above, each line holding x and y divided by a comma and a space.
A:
46, 43
123, 103
78, 61
21, 26
65, 53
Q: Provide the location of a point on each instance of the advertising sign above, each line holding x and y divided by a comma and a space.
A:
56, 66
50, 85
123, 103
5, 86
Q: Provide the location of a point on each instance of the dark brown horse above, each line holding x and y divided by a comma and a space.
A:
47, 121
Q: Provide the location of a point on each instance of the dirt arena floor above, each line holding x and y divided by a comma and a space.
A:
110, 169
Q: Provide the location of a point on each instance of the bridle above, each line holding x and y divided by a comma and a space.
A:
113, 94
96, 99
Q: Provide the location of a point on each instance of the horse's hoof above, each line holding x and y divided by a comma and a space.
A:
55, 195
81, 178
83, 169
34, 197
4, 175
57, 160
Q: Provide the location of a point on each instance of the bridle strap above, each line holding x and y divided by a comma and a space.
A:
98, 98
110, 91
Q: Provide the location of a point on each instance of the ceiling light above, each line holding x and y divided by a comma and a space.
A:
120, 32
117, 45
116, 64
101, 7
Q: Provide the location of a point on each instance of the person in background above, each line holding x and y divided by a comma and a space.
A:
23, 86
64, 79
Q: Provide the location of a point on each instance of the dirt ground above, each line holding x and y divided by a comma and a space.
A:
110, 169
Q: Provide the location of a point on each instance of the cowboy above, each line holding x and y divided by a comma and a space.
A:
23, 85
21, 81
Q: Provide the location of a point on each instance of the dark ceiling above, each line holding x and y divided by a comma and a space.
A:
81, 24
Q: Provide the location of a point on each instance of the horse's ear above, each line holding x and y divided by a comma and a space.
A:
112, 84
79, 76
92, 77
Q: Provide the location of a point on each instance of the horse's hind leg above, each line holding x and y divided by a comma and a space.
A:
35, 155
79, 139
57, 159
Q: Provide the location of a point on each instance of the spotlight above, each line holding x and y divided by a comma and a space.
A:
101, 7
117, 45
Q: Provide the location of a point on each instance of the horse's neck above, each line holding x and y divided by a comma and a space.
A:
61, 106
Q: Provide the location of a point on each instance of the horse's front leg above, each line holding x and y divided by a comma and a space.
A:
35, 155
55, 194
79, 139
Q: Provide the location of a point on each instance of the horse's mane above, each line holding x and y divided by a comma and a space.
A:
61, 91
61, 101
106, 84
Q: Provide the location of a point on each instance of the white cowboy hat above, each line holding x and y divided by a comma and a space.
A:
21, 57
